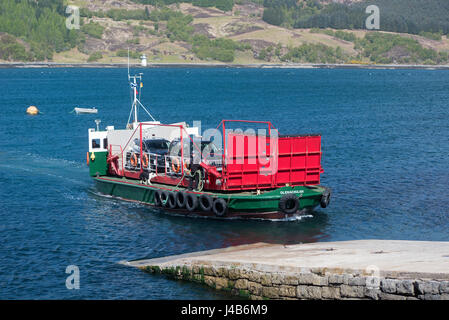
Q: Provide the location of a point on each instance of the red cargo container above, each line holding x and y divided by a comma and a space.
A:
262, 162
299, 160
254, 162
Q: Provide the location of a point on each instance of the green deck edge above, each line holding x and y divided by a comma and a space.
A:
245, 202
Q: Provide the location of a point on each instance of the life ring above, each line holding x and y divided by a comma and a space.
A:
206, 202
289, 204
176, 165
220, 207
325, 198
145, 160
186, 169
180, 199
191, 202
133, 160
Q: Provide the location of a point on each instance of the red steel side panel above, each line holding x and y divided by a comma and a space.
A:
299, 160
253, 163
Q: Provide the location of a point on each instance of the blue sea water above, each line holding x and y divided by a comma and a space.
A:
386, 157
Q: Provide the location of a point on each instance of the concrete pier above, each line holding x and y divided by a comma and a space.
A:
364, 269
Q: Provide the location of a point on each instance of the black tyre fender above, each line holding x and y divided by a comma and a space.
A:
171, 200
289, 203
157, 198
164, 198
206, 202
180, 199
220, 207
325, 198
191, 202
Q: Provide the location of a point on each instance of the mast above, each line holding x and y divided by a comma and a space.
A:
134, 82
135, 98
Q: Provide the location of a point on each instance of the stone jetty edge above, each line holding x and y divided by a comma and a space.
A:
271, 282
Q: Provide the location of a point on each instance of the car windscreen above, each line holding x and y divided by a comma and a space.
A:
160, 145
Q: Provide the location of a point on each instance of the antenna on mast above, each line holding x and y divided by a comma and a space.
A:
98, 124
136, 82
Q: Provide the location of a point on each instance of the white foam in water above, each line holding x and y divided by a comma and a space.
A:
55, 161
40, 165
77, 197
294, 218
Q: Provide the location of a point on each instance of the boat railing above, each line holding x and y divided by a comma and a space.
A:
175, 165
171, 165
119, 156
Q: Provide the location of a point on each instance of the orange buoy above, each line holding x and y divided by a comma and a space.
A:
32, 110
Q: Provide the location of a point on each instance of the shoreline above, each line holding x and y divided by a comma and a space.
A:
223, 65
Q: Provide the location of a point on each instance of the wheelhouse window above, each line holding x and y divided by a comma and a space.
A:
96, 144
105, 143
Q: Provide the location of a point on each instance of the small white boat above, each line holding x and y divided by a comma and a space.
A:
85, 110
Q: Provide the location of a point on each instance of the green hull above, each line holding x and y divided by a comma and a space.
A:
242, 204
98, 163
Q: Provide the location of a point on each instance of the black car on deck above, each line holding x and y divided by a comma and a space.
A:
191, 152
157, 148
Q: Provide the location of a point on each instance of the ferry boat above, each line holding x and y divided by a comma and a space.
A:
222, 173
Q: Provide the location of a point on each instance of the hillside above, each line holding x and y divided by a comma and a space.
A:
188, 33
